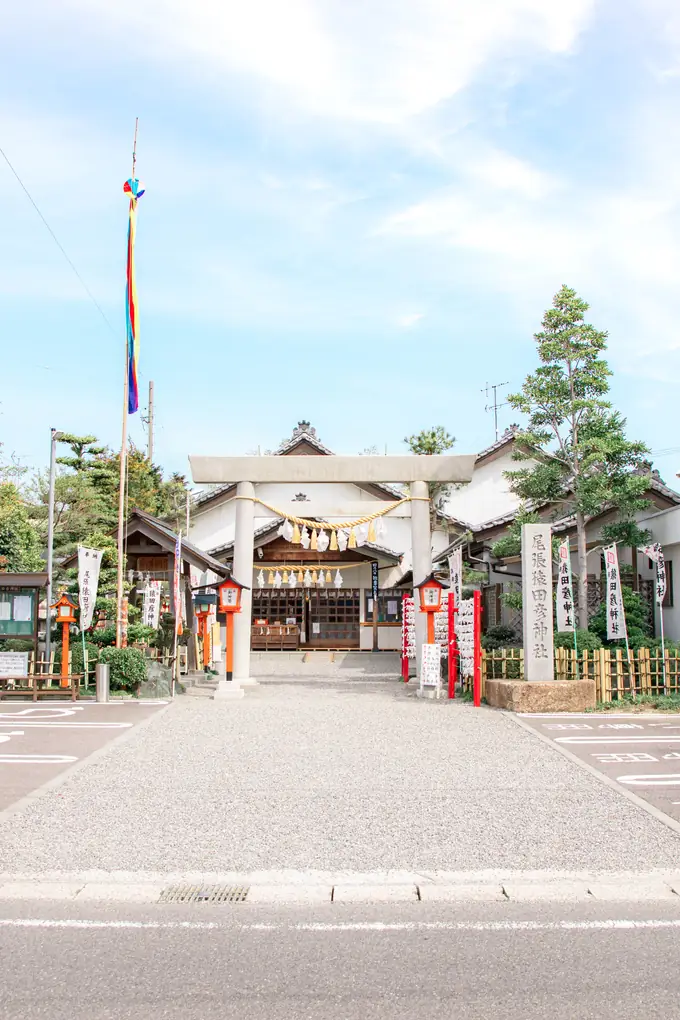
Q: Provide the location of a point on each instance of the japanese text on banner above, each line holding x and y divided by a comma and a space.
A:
565, 594
89, 563
616, 620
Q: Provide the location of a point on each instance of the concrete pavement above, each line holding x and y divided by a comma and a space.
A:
475, 962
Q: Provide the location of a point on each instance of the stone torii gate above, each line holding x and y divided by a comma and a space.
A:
246, 472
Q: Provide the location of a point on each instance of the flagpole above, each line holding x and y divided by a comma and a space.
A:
123, 463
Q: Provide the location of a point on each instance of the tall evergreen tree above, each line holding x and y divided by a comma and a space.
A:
581, 458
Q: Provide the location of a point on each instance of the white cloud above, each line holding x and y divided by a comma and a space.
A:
378, 61
410, 320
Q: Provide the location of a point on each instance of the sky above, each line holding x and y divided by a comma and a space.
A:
356, 213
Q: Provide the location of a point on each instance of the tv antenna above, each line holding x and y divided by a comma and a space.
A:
495, 405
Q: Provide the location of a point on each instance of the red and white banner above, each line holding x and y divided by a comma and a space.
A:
655, 554
616, 618
565, 594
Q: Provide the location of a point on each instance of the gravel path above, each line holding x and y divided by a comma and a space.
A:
332, 774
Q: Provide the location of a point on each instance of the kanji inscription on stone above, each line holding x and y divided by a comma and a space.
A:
537, 602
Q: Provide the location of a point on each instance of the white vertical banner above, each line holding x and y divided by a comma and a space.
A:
456, 579
616, 618
176, 592
655, 554
152, 604
565, 593
89, 563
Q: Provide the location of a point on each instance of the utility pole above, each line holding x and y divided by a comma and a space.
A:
150, 422
55, 436
495, 406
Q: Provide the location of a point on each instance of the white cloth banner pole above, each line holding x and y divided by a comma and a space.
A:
89, 563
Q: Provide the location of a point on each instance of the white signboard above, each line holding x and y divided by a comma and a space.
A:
89, 563
616, 619
537, 602
13, 663
565, 594
465, 632
430, 666
22, 608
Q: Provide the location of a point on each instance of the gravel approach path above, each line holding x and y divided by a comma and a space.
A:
330, 774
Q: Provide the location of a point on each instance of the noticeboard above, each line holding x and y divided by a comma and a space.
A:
17, 611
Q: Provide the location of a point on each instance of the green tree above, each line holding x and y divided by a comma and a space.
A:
581, 459
429, 443
432, 441
637, 621
84, 451
19, 542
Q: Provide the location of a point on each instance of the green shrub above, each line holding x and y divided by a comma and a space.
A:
104, 637
77, 656
128, 668
500, 636
16, 645
584, 639
636, 620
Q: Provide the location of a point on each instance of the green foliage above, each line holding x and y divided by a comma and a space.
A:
511, 543
16, 644
580, 458
128, 667
500, 637
84, 451
430, 442
19, 543
103, 638
584, 639
660, 702
512, 599
636, 621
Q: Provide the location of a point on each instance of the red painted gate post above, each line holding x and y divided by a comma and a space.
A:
477, 675
404, 641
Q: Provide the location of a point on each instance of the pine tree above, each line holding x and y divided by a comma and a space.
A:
581, 458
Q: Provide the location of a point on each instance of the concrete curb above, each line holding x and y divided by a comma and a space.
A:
352, 888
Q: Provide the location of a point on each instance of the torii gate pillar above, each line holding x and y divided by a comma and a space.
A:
243, 572
421, 559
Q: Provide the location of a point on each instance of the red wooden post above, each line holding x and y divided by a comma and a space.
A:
404, 640
477, 675
453, 645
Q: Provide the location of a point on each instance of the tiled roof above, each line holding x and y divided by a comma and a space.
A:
506, 438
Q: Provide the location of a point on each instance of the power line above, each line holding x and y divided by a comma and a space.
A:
57, 242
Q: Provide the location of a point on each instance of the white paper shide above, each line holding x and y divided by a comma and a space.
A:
89, 563
465, 632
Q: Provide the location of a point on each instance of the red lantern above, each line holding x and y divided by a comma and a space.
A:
65, 616
430, 601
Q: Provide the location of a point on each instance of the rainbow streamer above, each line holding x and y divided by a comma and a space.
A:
132, 188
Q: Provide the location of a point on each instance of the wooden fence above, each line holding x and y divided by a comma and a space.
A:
614, 676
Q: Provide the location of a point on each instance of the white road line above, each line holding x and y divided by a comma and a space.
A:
36, 759
652, 779
73, 725
42, 712
632, 739
622, 924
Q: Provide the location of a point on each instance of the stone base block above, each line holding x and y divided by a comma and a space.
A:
227, 690
549, 696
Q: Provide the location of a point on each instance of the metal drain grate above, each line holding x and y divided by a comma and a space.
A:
187, 893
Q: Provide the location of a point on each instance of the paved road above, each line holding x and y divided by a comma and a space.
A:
641, 753
382, 963
39, 742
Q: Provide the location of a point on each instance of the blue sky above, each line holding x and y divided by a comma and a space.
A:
355, 213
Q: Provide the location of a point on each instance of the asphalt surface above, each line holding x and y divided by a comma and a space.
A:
641, 753
386, 962
329, 775
38, 743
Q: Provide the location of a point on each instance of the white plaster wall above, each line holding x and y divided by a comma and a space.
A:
487, 495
